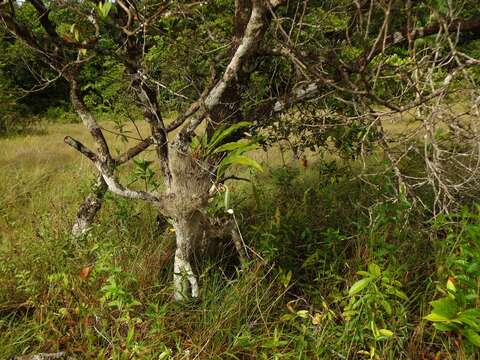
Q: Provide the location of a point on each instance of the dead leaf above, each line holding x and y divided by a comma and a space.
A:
85, 272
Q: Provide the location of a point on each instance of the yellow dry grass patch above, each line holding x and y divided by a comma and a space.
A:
41, 176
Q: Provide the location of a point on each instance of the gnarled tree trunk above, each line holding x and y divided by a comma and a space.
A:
189, 186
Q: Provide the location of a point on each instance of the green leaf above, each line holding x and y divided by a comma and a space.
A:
235, 159
165, 354
474, 313
238, 145
374, 269
195, 143
470, 317
363, 273
443, 327
386, 305
286, 278
302, 313
385, 332
244, 160
273, 343
451, 286
444, 310
359, 286
222, 133
473, 337
104, 8
445, 307
130, 334
400, 294
434, 317
374, 329
287, 317
204, 140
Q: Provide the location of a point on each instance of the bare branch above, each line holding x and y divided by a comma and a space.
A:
133, 151
88, 120
106, 172
81, 148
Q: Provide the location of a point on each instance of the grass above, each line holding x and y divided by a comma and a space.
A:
108, 295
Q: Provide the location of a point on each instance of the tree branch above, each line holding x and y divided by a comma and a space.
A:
88, 120
112, 183
133, 151
399, 37
81, 148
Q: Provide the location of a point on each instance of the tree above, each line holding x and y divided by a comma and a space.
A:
257, 63
29, 87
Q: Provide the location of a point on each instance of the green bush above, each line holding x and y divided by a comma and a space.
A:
60, 115
457, 310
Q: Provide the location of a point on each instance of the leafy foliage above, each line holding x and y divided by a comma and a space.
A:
233, 152
458, 309
143, 172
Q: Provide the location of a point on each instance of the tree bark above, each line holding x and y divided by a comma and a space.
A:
89, 208
184, 280
189, 185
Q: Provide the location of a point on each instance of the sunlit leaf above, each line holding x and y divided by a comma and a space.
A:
385, 332
222, 133
445, 307
374, 269
473, 337
359, 286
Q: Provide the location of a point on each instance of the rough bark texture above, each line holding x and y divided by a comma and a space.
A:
89, 208
184, 279
189, 184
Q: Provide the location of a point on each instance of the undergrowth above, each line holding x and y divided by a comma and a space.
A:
339, 269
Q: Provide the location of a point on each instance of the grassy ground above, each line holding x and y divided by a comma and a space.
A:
108, 295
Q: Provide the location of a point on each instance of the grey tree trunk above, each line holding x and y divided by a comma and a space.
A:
189, 185
184, 279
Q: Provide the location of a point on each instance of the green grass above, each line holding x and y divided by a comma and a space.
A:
108, 295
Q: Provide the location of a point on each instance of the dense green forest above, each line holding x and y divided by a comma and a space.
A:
247, 179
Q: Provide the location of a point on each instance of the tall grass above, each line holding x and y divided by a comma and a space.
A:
313, 234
